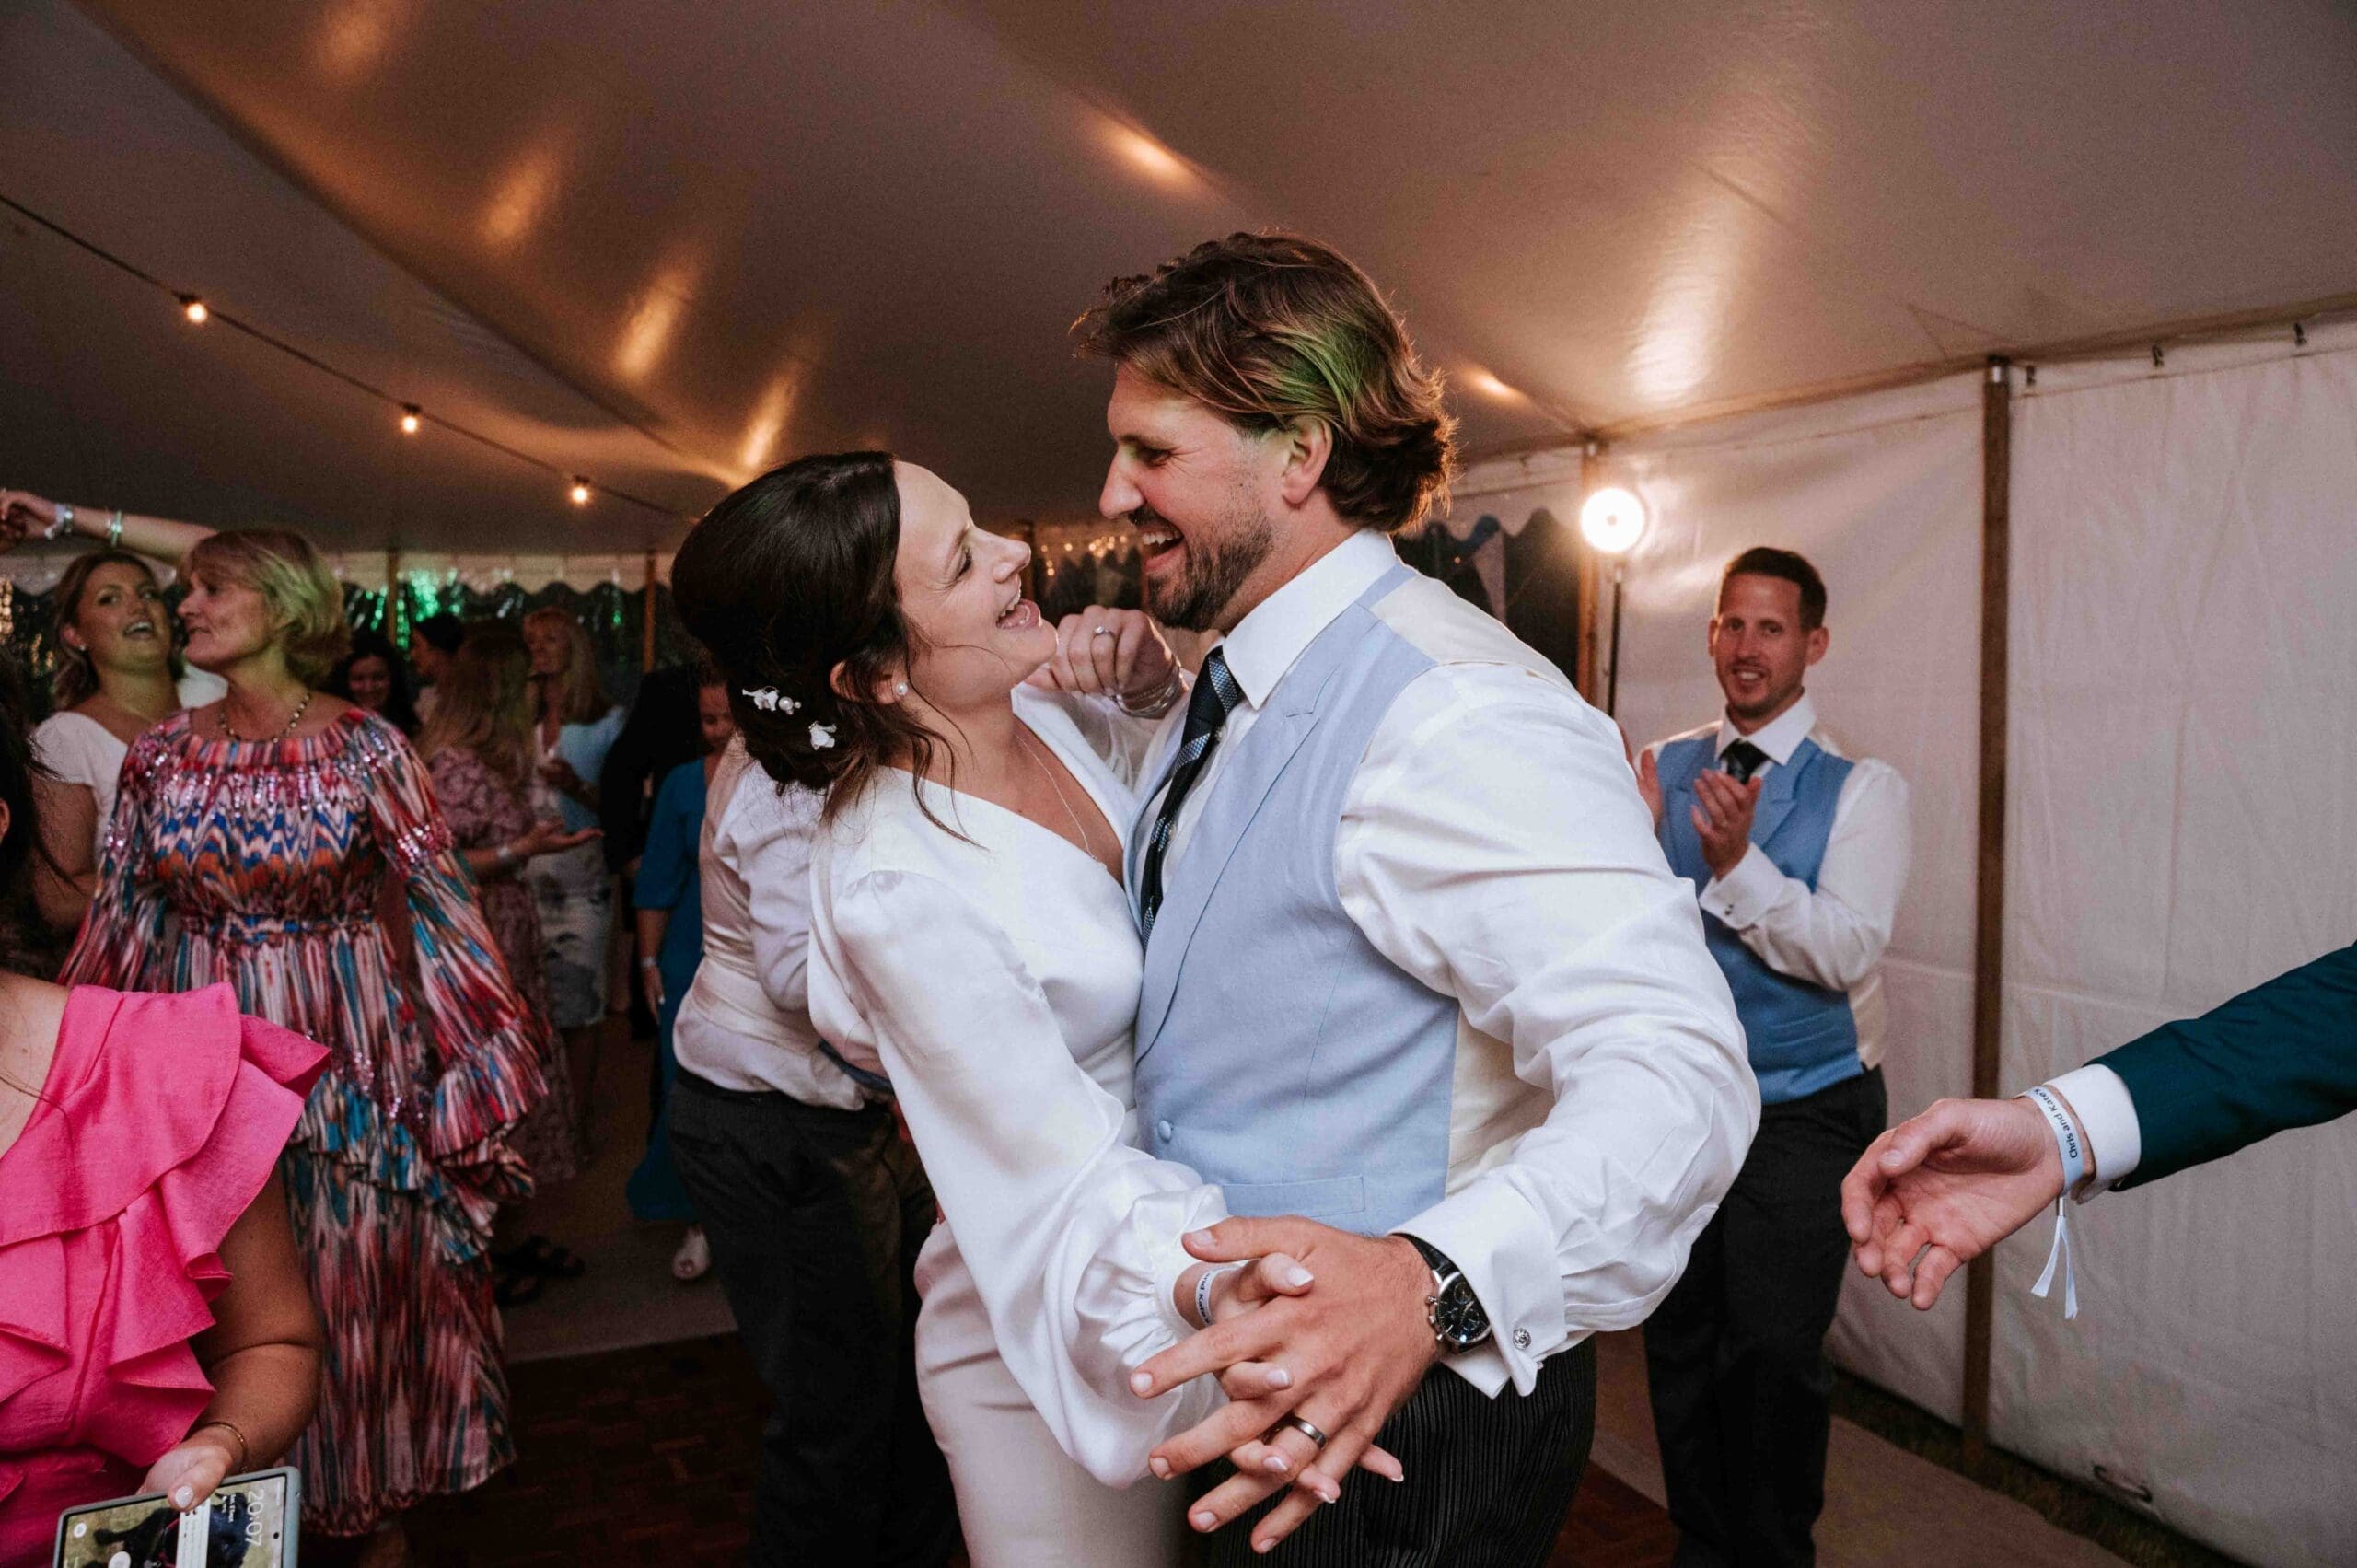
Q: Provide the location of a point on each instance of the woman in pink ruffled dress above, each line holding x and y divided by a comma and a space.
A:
156, 1332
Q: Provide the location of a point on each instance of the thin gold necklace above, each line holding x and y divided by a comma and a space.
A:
300, 709
127, 710
1086, 846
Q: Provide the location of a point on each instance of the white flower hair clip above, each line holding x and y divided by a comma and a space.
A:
823, 736
769, 700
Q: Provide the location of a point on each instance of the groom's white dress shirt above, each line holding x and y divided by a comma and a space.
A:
1492, 844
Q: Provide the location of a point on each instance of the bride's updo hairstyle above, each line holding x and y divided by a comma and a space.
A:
784, 580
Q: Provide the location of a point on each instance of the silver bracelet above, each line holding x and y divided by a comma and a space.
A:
1157, 702
115, 531
507, 856
61, 523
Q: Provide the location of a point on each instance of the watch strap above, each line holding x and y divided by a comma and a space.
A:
1443, 1268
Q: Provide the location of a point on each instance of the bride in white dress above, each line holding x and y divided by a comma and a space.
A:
971, 942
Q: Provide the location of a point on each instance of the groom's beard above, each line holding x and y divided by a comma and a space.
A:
1214, 572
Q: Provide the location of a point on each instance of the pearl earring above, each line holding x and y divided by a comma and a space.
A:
900, 689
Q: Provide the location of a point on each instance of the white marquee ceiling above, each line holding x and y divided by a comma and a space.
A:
667, 245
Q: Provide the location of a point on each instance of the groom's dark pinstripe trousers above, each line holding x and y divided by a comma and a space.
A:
1489, 1481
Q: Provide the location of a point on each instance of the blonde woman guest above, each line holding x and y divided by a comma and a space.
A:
251, 842
477, 749
575, 728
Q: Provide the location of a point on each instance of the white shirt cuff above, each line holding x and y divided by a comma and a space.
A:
1490, 1232
1738, 899
2106, 1114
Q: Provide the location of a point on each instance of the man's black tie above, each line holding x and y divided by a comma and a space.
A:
1741, 760
1216, 694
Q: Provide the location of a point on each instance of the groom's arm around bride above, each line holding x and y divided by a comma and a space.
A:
1510, 865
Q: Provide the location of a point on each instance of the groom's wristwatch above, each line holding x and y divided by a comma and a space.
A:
1457, 1319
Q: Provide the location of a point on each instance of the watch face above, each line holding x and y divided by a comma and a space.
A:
1457, 1316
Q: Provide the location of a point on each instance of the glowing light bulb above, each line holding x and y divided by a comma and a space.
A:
193, 309
580, 491
1612, 521
410, 420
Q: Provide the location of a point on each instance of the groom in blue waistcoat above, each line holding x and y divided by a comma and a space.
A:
1422, 994
1796, 853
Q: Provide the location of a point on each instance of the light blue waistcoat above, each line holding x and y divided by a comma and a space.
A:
1279, 1054
1803, 1037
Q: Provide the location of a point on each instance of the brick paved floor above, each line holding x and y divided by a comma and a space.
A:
646, 1456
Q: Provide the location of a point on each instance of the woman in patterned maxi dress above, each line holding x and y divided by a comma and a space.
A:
251, 842
477, 751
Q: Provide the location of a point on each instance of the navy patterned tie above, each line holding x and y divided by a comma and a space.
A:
1741, 760
1216, 694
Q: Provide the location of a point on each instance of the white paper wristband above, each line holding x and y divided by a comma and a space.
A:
2073, 1149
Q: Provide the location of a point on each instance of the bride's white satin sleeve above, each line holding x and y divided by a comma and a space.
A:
1071, 1233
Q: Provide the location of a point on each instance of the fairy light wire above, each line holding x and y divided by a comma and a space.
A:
401, 407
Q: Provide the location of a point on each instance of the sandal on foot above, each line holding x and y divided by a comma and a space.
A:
516, 1287
537, 1255
693, 1260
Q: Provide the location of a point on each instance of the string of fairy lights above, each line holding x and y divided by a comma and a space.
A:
411, 419
1096, 548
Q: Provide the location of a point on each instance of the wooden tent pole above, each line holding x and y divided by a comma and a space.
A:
1584, 676
393, 595
1988, 934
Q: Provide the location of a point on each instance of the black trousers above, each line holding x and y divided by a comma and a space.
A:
1735, 1353
1489, 1481
815, 1216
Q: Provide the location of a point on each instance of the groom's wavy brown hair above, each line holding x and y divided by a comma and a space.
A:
1268, 328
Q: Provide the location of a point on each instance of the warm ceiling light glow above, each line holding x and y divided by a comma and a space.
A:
352, 38
1149, 155
767, 427
1482, 381
193, 309
410, 420
580, 493
1612, 521
521, 196
648, 334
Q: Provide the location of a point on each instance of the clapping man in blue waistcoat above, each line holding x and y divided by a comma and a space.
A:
1416, 972
1796, 853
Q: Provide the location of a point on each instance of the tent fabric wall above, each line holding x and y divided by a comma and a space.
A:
2183, 825
1883, 493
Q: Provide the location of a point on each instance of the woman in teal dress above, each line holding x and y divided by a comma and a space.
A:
670, 944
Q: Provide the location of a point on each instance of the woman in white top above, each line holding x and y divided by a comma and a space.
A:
970, 943
119, 670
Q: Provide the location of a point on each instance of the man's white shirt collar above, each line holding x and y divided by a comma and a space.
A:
1279, 630
1779, 737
